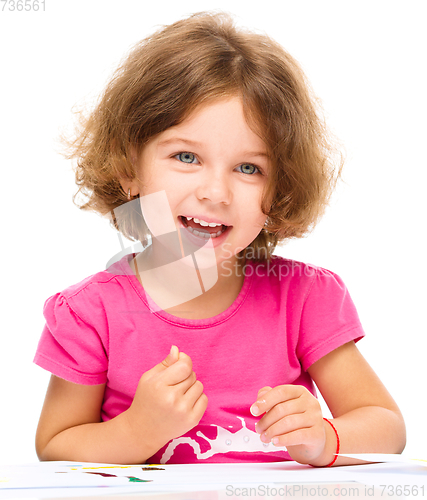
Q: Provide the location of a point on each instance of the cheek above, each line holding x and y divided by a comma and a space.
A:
153, 181
260, 217
249, 201
261, 221
257, 219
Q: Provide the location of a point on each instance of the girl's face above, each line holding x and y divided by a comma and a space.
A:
213, 168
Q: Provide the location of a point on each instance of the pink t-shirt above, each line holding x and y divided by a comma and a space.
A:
287, 316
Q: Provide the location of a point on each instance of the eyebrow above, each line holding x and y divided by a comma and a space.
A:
196, 144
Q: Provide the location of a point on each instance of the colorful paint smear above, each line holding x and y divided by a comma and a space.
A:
132, 479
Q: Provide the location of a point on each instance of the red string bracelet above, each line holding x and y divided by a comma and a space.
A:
338, 446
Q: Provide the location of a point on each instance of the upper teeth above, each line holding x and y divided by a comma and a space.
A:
204, 223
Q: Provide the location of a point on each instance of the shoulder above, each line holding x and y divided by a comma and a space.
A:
95, 292
89, 286
280, 269
288, 279
312, 302
116, 275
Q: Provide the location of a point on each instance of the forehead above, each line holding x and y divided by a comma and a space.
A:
222, 119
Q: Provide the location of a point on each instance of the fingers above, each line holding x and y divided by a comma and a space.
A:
169, 399
305, 433
179, 371
282, 411
190, 389
190, 398
271, 397
293, 438
183, 386
267, 398
263, 391
292, 415
283, 420
172, 357
175, 369
199, 407
194, 391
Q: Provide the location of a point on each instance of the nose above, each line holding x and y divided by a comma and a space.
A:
214, 186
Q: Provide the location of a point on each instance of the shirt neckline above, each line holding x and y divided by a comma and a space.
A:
175, 320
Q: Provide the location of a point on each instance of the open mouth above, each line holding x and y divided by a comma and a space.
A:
203, 231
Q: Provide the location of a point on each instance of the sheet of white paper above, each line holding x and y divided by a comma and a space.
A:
384, 457
50, 476
65, 479
393, 480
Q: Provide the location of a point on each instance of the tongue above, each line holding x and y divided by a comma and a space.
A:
205, 229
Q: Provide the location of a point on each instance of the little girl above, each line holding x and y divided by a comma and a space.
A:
204, 346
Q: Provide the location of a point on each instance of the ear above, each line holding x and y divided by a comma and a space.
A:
129, 187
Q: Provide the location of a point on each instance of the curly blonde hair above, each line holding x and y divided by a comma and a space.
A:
190, 62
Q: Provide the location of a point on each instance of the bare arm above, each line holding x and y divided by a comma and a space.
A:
365, 415
168, 402
70, 428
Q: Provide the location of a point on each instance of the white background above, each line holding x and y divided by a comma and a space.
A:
366, 61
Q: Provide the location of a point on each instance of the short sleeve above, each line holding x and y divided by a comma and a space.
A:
329, 318
70, 347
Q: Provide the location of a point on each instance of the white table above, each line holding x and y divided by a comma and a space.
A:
278, 480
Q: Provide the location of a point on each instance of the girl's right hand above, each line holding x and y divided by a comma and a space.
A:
169, 401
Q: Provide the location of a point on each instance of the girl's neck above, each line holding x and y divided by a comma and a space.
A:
180, 293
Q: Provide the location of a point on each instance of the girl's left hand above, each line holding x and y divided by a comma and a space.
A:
292, 418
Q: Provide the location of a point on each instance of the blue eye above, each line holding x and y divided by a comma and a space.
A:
186, 157
248, 168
